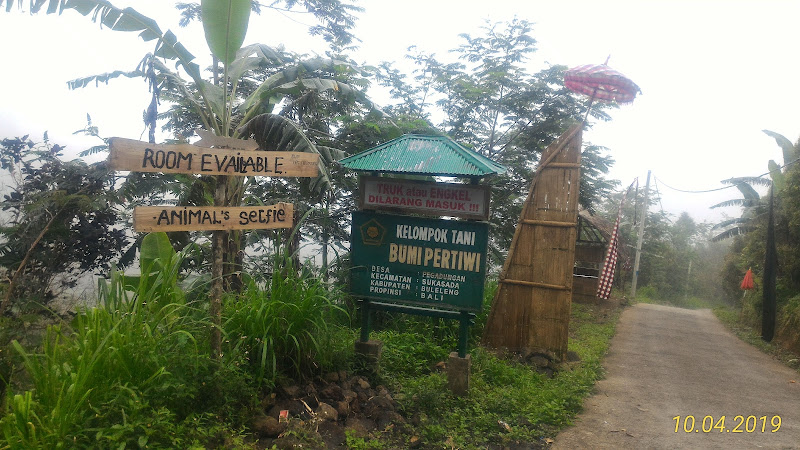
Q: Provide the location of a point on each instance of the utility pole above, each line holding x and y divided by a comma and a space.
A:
640, 238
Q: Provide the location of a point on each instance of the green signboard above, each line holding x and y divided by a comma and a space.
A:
414, 260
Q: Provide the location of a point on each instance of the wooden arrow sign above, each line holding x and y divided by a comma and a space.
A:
138, 156
196, 218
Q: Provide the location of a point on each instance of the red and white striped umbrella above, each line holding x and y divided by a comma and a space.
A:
601, 82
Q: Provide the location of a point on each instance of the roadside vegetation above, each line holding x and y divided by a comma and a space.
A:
135, 370
133, 366
693, 265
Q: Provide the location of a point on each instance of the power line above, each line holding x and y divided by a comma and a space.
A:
724, 187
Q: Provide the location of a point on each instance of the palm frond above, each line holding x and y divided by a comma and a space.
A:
729, 222
277, 133
751, 181
743, 202
789, 151
103, 78
736, 231
127, 19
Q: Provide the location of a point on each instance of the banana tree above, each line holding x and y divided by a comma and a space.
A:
217, 106
750, 200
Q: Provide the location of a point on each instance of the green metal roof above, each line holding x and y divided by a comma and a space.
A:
413, 154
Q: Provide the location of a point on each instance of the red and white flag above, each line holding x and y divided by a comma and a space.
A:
610, 262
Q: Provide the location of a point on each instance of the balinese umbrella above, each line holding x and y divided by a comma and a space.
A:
747, 282
601, 82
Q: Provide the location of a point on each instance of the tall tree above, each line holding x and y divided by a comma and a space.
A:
62, 220
489, 101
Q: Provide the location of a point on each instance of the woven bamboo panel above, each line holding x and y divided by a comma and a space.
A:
531, 308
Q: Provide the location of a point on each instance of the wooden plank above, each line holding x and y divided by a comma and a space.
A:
209, 140
207, 218
138, 156
536, 285
548, 223
531, 308
562, 166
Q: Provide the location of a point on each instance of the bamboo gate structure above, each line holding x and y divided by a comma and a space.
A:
531, 308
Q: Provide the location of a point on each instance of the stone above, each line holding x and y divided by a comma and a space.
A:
332, 434
360, 427
387, 418
376, 405
291, 391
349, 396
331, 377
327, 412
343, 408
266, 426
332, 392
458, 373
539, 361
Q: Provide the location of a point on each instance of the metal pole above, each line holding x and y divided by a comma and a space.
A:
640, 238
688, 277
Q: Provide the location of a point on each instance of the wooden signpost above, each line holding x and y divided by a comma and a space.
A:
181, 218
243, 160
231, 157
138, 156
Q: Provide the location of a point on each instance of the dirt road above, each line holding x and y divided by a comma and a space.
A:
666, 362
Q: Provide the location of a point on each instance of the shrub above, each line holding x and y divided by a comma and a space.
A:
134, 354
283, 328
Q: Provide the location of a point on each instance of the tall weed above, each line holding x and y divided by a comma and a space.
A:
283, 327
137, 347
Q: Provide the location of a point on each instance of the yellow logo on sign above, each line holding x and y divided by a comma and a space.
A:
372, 233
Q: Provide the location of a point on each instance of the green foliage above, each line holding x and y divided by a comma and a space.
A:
62, 219
501, 391
748, 250
132, 371
789, 323
283, 328
732, 319
225, 24
411, 354
491, 102
354, 442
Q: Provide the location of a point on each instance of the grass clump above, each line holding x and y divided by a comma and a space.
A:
124, 372
286, 328
732, 319
136, 371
